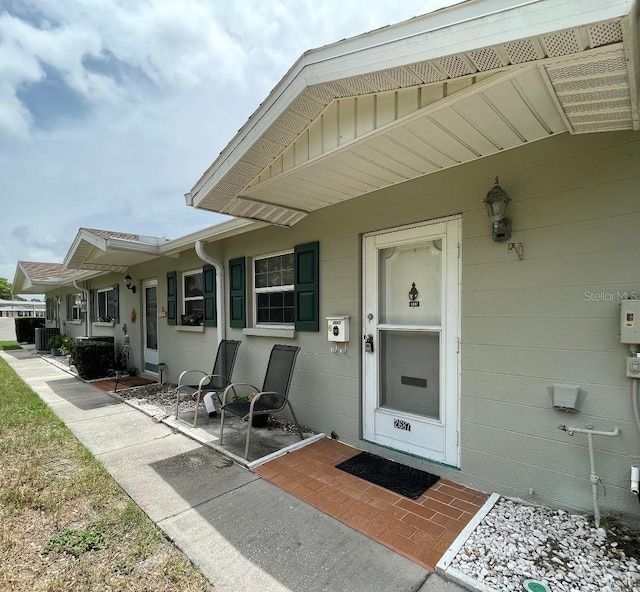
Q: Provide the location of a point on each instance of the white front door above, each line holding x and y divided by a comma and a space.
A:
411, 339
150, 325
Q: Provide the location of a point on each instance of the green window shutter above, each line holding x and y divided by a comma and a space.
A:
92, 305
237, 293
172, 298
307, 287
69, 313
209, 281
116, 303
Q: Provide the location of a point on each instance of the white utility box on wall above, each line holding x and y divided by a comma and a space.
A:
338, 328
630, 321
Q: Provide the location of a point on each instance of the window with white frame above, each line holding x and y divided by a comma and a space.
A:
273, 284
105, 305
192, 298
51, 309
76, 307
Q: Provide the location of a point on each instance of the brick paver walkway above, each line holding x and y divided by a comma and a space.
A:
421, 530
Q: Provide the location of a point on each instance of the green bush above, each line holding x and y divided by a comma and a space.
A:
26, 328
93, 358
68, 346
56, 341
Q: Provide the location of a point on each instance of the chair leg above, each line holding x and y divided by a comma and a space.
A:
295, 420
195, 416
246, 448
177, 402
221, 423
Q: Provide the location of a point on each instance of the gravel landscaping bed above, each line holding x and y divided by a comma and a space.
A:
516, 542
160, 399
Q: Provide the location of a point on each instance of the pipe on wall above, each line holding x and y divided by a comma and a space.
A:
220, 316
593, 476
220, 288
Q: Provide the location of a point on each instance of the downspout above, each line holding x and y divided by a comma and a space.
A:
220, 288
87, 324
220, 316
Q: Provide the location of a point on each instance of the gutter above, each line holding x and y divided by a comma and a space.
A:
220, 288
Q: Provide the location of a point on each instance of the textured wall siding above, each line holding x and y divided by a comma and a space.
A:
525, 324
553, 318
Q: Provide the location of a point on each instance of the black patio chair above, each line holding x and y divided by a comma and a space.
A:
210, 384
273, 397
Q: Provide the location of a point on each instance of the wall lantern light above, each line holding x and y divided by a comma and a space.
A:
496, 203
128, 281
161, 368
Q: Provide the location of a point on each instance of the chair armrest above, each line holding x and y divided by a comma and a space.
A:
232, 387
258, 395
188, 372
208, 377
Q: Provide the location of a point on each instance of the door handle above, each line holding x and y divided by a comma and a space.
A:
368, 343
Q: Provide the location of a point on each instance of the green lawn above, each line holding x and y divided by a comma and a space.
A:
65, 525
8, 345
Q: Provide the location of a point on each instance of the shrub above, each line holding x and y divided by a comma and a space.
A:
56, 341
26, 328
67, 347
93, 358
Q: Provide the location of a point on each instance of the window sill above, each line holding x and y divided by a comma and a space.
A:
101, 324
270, 332
190, 328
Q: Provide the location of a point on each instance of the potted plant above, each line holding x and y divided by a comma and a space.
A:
55, 343
191, 320
257, 421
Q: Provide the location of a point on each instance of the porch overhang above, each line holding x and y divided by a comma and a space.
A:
40, 278
433, 92
106, 251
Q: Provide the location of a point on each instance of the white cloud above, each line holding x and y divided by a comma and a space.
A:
164, 85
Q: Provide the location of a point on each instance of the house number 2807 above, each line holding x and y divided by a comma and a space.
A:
401, 424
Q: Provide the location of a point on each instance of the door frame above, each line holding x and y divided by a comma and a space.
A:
149, 283
450, 416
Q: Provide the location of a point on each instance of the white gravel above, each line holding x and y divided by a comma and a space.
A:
516, 542
160, 400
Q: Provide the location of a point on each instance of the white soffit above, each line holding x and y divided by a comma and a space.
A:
343, 138
89, 251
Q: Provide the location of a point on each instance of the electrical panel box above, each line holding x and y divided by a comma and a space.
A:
338, 328
633, 367
630, 321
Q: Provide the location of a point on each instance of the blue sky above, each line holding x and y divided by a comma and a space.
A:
110, 110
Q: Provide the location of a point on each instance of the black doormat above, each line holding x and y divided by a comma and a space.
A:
407, 481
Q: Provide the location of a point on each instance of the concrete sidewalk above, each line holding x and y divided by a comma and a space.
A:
242, 532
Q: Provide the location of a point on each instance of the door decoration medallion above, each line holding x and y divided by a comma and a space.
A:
413, 296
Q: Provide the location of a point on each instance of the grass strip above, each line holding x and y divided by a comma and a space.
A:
65, 524
9, 345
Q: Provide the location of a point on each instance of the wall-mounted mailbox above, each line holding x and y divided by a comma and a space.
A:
338, 328
565, 397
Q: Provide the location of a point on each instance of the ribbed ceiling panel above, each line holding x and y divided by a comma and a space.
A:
592, 88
